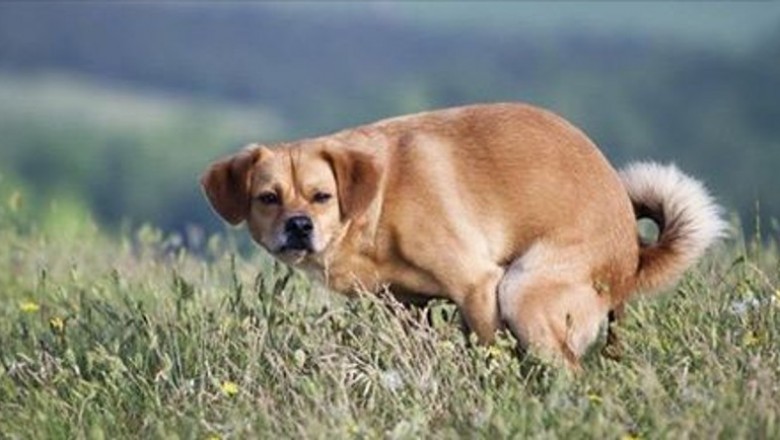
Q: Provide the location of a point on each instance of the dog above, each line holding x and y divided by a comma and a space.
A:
505, 209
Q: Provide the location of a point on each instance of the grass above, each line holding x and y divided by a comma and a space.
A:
121, 151
135, 337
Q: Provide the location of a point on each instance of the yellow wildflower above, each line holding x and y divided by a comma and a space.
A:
751, 339
630, 436
29, 307
57, 324
229, 388
493, 351
595, 398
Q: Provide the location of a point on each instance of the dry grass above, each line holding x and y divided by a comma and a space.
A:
135, 337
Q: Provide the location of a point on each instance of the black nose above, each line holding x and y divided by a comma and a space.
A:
299, 226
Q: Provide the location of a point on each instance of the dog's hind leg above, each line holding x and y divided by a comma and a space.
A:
478, 303
551, 306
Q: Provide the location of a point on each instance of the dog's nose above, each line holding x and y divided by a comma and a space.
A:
299, 226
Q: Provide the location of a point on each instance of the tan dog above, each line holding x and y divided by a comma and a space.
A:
505, 209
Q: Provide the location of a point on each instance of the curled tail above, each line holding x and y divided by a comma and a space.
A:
688, 221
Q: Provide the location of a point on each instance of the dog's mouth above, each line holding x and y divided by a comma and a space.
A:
294, 250
296, 244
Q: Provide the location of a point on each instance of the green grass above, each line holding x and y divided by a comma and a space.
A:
134, 337
125, 153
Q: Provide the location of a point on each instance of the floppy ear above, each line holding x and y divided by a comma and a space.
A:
226, 184
357, 178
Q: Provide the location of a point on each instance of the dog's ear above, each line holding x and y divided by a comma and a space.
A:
357, 177
226, 183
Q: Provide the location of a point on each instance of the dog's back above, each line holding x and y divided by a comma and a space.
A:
523, 188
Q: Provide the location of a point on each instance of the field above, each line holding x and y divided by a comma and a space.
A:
105, 337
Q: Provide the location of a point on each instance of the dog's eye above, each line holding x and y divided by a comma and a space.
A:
269, 198
321, 197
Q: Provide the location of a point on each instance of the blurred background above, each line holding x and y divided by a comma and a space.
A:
110, 111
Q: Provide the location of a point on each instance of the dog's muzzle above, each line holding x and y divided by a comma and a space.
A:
298, 231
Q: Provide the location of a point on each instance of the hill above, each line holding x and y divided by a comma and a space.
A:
712, 111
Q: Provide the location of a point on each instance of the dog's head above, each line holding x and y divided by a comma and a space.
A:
294, 198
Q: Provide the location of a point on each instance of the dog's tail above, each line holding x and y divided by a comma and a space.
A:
687, 217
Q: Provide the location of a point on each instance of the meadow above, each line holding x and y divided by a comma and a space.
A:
128, 310
129, 335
